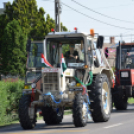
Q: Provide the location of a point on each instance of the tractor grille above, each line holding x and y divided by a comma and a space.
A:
51, 81
125, 81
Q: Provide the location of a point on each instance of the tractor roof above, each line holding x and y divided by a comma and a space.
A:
62, 34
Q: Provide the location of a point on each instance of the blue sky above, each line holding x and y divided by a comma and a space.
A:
119, 9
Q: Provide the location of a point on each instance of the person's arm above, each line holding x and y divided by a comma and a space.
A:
76, 55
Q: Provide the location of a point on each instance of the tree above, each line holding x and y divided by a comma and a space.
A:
63, 28
13, 50
38, 26
31, 19
49, 24
3, 22
32, 23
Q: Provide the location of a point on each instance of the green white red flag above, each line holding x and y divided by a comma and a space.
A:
44, 62
63, 65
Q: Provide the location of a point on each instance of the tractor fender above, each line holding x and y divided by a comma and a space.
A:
108, 72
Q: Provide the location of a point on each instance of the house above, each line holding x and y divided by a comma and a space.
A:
111, 47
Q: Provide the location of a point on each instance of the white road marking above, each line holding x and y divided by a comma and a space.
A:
115, 125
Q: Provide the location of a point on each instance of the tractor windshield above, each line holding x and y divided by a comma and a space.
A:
71, 48
127, 57
34, 56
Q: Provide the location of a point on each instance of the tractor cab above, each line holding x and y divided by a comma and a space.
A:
33, 65
127, 57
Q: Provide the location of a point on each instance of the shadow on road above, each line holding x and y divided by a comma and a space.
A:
130, 109
40, 126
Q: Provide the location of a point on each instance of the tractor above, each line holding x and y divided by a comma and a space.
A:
124, 82
66, 69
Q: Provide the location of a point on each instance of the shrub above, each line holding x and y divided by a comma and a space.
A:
10, 93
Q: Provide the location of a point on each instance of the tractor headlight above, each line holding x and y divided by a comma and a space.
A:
26, 87
124, 74
33, 85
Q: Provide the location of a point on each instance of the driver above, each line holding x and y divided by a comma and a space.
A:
72, 54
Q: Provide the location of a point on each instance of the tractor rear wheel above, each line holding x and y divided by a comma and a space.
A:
120, 102
80, 111
52, 115
24, 117
100, 97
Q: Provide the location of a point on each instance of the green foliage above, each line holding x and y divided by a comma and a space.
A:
10, 93
21, 19
65, 48
13, 49
130, 100
63, 28
113, 68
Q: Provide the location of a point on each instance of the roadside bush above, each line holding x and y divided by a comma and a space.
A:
10, 93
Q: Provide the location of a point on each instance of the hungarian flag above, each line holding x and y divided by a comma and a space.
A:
63, 65
44, 62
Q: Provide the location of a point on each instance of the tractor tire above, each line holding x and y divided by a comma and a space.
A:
100, 97
52, 116
24, 117
120, 102
80, 111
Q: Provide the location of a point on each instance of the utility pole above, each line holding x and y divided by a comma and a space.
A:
57, 15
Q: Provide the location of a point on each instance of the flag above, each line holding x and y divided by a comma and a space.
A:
44, 62
63, 65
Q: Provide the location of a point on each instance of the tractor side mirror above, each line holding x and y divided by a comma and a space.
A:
100, 41
28, 46
106, 52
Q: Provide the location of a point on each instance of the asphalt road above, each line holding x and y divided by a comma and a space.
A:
121, 122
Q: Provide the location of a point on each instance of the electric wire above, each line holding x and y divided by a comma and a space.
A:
101, 13
96, 19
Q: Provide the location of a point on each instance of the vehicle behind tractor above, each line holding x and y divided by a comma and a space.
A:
71, 73
124, 85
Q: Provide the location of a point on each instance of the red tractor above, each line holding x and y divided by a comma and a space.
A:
124, 82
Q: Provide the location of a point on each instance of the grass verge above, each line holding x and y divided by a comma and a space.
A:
130, 100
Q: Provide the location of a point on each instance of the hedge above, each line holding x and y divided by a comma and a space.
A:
10, 93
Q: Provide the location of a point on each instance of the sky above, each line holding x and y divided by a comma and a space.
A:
85, 20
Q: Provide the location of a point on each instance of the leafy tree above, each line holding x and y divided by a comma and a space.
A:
13, 49
31, 19
63, 28
3, 22
50, 23
38, 26
33, 24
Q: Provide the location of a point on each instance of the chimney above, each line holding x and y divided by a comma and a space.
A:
112, 40
4, 3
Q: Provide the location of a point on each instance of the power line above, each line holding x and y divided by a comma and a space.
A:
114, 6
127, 35
96, 19
102, 14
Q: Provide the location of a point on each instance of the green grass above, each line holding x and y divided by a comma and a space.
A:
68, 112
130, 100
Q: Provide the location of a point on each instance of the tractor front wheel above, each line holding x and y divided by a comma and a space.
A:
80, 111
24, 117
